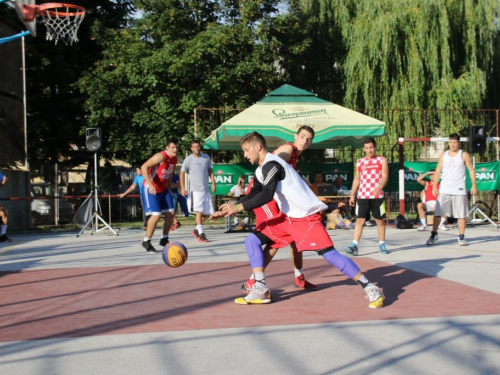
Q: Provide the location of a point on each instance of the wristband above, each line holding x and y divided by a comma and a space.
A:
238, 209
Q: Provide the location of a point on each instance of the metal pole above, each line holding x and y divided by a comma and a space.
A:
195, 136
56, 194
95, 191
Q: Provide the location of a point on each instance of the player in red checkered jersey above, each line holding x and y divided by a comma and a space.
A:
372, 173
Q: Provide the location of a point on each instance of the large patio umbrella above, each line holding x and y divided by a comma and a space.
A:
281, 112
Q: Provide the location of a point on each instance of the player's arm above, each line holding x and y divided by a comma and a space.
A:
182, 180
212, 178
472, 172
284, 151
3, 180
384, 179
273, 173
420, 179
354, 187
153, 161
130, 189
437, 176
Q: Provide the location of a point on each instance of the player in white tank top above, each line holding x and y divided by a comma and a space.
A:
452, 195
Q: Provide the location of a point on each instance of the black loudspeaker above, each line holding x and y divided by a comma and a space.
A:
93, 139
476, 141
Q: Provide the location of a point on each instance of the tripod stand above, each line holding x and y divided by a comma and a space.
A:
475, 208
96, 216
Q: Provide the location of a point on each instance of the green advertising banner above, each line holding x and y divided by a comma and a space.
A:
486, 175
226, 175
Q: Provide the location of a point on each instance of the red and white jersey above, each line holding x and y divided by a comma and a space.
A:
295, 156
370, 176
161, 173
266, 212
428, 196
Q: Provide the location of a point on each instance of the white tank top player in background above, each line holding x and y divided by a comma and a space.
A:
453, 182
452, 195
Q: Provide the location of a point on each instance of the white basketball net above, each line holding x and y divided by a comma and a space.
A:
62, 24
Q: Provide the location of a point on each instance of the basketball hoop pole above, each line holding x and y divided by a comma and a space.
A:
96, 216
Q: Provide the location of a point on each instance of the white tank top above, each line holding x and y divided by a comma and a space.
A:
293, 196
453, 175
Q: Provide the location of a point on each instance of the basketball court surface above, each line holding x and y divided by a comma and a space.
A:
99, 304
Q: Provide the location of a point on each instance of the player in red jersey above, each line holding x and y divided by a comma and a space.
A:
372, 173
156, 194
289, 152
300, 220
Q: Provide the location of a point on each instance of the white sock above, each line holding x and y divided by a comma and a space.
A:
252, 277
363, 279
260, 278
355, 242
147, 239
297, 272
424, 222
245, 220
164, 236
199, 228
381, 242
443, 221
236, 221
3, 229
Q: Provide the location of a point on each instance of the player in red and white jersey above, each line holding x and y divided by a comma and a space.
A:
428, 200
156, 194
372, 173
301, 220
289, 152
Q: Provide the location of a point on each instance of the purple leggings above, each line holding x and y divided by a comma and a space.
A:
254, 251
343, 263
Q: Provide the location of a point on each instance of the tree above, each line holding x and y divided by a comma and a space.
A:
419, 54
54, 106
178, 56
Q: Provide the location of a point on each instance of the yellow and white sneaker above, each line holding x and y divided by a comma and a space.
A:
375, 296
257, 296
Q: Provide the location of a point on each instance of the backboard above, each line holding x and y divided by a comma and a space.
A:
26, 13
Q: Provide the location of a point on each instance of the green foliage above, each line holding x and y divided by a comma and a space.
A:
178, 56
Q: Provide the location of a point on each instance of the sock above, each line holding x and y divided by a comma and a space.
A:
363, 281
433, 234
245, 220
260, 279
297, 272
3, 229
199, 228
461, 236
354, 242
424, 222
381, 242
235, 221
164, 236
443, 221
252, 277
147, 239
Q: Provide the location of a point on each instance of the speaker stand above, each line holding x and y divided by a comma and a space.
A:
96, 216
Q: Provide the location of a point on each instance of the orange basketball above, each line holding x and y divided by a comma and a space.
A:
175, 254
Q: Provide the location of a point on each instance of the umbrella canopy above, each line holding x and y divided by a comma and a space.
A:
283, 111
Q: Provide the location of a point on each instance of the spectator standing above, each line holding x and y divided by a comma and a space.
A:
4, 214
198, 167
138, 182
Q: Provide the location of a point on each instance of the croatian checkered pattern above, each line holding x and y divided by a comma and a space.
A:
370, 175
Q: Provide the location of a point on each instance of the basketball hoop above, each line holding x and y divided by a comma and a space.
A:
61, 20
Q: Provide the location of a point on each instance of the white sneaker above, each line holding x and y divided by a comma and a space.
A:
422, 227
443, 227
257, 295
368, 223
375, 296
462, 242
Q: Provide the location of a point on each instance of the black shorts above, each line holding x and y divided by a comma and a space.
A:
374, 206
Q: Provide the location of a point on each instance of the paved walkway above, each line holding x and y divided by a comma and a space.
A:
99, 304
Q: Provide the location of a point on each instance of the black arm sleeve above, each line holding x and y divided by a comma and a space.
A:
262, 193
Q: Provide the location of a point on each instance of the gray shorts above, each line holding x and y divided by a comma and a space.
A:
452, 205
